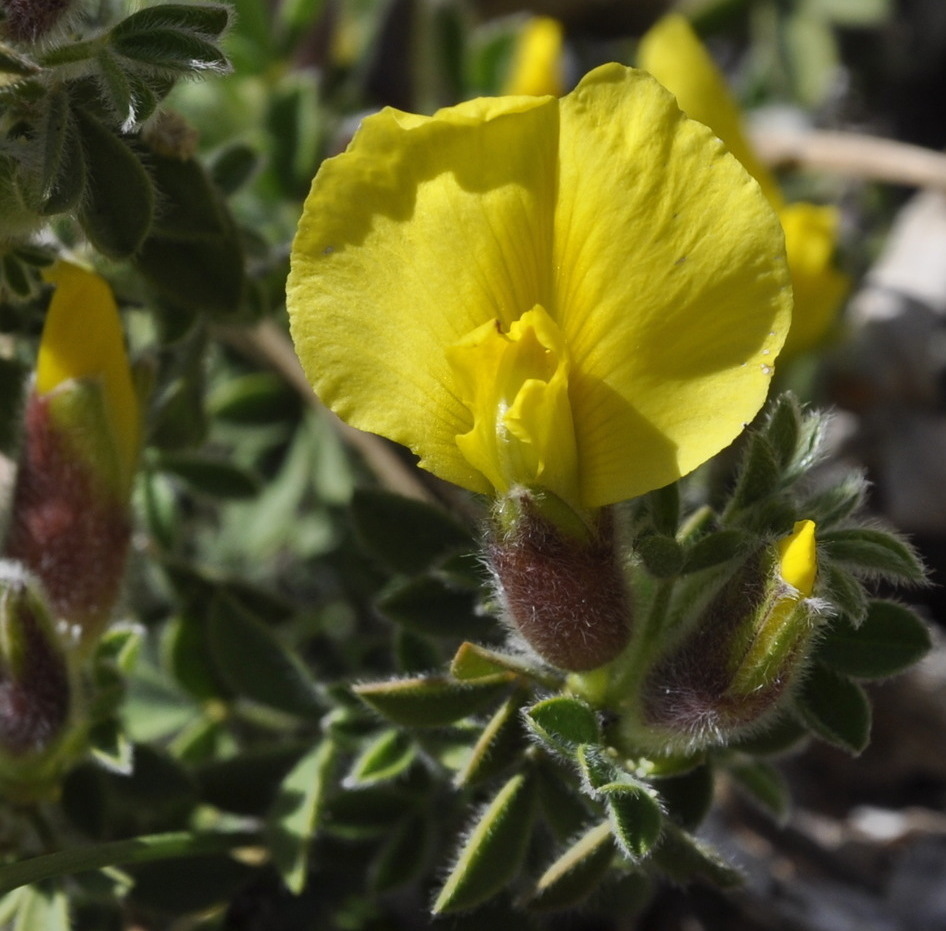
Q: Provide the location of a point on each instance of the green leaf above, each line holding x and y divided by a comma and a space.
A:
255, 399
783, 428
208, 19
119, 93
473, 661
255, 665
873, 552
563, 723
766, 785
249, 784
843, 590
408, 536
663, 556
431, 702
492, 854
682, 857
595, 768
759, 476
835, 709
576, 873
13, 61
233, 166
214, 477
432, 606
175, 50
500, 743
830, 506
384, 759
781, 736
687, 797
716, 548
664, 508
404, 856
62, 169
635, 817
297, 812
193, 256
118, 205
891, 638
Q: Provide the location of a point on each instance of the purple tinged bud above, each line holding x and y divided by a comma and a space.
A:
743, 655
30, 20
37, 694
560, 581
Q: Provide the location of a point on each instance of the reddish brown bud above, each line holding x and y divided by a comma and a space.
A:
564, 593
35, 687
29, 20
66, 527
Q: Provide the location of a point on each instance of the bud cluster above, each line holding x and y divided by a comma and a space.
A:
69, 528
728, 608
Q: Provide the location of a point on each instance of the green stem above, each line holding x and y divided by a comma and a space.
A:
636, 658
121, 853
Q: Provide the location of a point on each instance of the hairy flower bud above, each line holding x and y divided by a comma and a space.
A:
37, 696
563, 590
742, 655
30, 20
69, 521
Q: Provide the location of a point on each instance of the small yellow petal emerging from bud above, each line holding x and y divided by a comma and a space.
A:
798, 558
83, 338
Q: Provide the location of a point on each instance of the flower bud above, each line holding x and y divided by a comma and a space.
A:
69, 519
36, 688
560, 583
743, 654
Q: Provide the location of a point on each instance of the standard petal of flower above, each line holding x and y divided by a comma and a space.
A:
82, 338
811, 235
424, 230
671, 286
674, 55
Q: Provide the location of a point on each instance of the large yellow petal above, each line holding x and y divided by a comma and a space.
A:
671, 286
423, 230
811, 236
673, 54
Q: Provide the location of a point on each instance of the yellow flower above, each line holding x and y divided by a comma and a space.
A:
581, 296
673, 54
536, 66
83, 340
